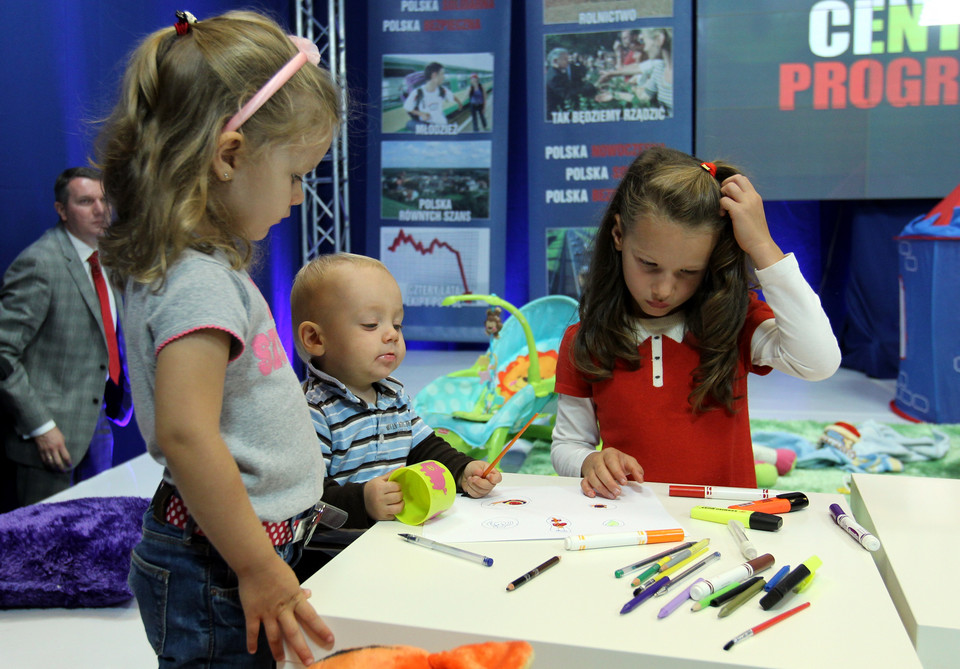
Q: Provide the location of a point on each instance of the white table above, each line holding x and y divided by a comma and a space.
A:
102, 638
916, 520
382, 590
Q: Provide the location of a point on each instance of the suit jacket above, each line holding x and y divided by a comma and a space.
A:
53, 350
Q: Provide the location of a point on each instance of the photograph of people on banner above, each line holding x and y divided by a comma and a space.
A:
624, 75
437, 94
586, 12
432, 182
568, 254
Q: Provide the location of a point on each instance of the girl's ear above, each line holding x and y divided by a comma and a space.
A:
230, 146
617, 233
311, 338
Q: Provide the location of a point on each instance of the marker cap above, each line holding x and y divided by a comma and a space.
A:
760, 563
767, 522
797, 500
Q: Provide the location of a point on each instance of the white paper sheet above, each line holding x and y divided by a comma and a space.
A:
547, 512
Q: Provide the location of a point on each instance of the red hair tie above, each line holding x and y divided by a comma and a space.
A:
711, 168
184, 21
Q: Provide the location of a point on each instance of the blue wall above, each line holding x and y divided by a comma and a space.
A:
62, 62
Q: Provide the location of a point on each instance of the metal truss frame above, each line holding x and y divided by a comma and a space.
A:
325, 212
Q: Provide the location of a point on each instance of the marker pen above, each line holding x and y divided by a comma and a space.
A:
705, 602
853, 528
755, 520
789, 582
720, 600
738, 573
675, 603
785, 503
783, 571
642, 597
742, 598
720, 492
747, 549
581, 542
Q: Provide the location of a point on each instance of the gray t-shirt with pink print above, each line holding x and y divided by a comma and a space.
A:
264, 420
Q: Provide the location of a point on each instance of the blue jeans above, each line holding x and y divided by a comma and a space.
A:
189, 599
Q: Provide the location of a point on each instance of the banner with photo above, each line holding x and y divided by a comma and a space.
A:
436, 189
605, 81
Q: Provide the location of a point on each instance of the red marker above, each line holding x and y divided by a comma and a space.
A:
721, 492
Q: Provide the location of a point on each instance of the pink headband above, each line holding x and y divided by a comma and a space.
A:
308, 51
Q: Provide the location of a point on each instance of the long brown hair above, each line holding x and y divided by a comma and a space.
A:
157, 148
666, 183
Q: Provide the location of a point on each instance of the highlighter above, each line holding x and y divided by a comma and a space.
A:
785, 503
755, 520
791, 581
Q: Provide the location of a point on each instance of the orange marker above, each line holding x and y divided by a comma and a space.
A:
784, 503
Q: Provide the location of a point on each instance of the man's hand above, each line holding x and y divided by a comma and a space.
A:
52, 448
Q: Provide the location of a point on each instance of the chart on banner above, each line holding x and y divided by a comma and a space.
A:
432, 263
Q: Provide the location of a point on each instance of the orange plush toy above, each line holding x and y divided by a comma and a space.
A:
488, 655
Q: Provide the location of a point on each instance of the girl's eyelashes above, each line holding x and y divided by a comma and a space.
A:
296, 178
398, 326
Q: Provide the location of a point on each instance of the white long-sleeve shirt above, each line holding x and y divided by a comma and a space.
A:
798, 341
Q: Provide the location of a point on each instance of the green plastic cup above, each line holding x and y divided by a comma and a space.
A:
428, 490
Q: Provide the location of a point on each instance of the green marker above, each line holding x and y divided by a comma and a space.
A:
705, 602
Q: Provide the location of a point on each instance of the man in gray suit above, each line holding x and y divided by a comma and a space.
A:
59, 377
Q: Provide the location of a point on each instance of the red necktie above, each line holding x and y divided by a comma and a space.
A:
105, 313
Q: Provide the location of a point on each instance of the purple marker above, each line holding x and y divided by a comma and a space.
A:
853, 528
675, 603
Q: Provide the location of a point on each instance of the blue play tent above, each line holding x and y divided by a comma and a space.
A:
928, 383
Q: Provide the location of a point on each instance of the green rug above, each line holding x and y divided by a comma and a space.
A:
828, 479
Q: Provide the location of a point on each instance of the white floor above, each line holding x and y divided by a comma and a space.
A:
848, 395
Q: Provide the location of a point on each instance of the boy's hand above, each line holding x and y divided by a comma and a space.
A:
745, 207
383, 499
606, 470
473, 482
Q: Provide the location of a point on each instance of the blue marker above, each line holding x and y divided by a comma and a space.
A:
776, 578
449, 550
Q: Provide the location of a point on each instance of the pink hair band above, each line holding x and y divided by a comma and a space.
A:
266, 92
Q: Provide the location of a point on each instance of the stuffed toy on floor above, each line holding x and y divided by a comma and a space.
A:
488, 655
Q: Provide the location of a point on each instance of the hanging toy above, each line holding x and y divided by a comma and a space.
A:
494, 322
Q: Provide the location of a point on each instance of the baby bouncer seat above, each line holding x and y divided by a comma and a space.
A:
478, 408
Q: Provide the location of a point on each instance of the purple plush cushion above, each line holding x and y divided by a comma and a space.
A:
71, 554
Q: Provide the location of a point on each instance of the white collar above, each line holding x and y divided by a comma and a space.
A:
673, 326
84, 250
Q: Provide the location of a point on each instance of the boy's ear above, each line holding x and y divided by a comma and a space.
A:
311, 338
230, 146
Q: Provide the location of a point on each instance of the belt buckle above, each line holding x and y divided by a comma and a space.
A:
329, 516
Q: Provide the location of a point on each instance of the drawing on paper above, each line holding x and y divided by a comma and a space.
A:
500, 523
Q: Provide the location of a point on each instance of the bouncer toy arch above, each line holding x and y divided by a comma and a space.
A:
479, 407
